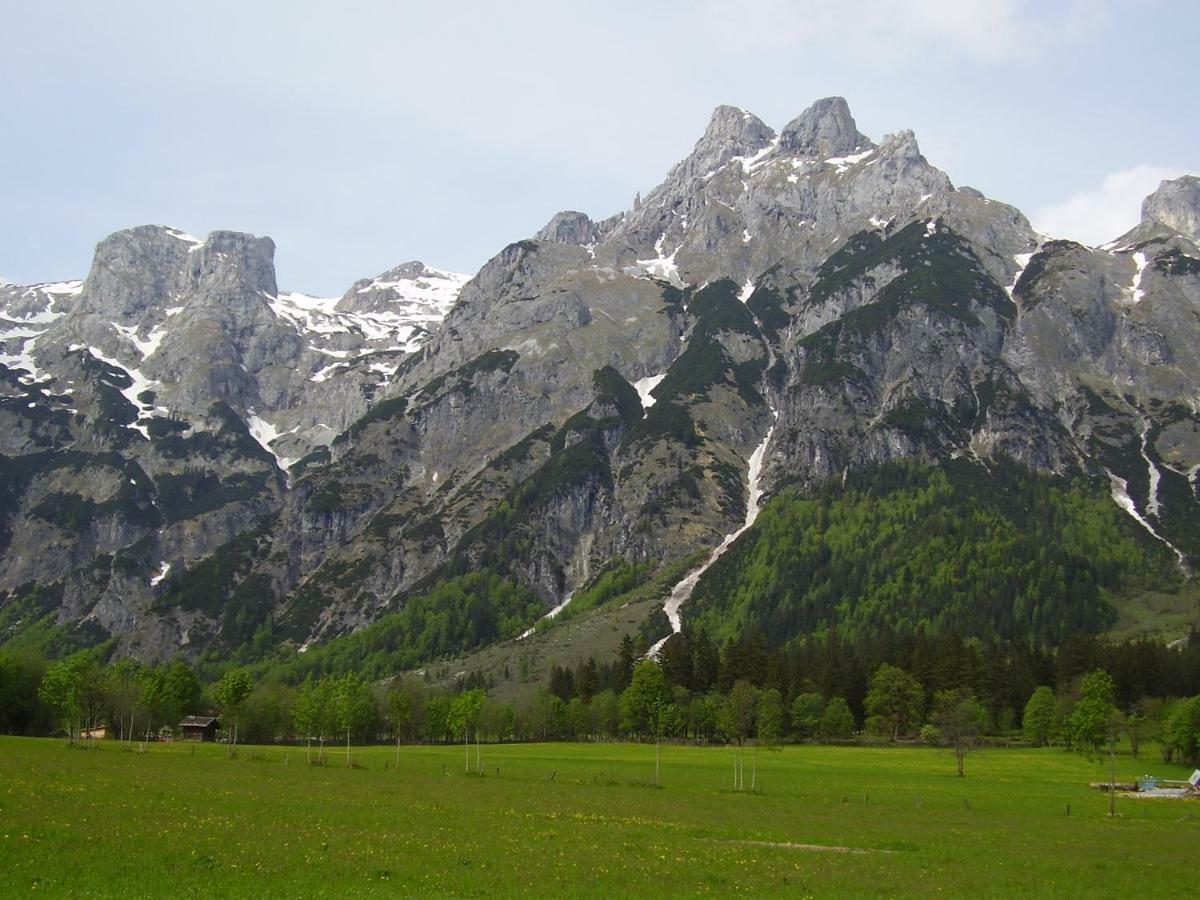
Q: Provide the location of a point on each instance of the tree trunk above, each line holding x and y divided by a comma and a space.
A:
466, 752
1112, 779
656, 762
347, 746
397, 751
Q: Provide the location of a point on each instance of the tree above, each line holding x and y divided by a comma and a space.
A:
20, 679
72, 687
626, 660
836, 722
1091, 718
464, 719
399, 712
1040, 716
151, 682
437, 718
306, 713
181, 691
497, 721
123, 690
702, 715
959, 718
736, 721
578, 719
896, 699
230, 694
1181, 732
646, 707
608, 712
769, 717
353, 707
806, 714
265, 715
1135, 726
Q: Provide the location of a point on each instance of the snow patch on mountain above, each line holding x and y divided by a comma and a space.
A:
264, 432
644, 386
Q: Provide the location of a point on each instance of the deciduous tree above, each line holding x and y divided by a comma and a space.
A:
1040, 717
230, 693
1092, 715
960, 719
896, 698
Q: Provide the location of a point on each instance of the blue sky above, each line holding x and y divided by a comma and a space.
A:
360, 135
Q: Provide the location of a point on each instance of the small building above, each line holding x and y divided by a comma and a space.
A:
199, 728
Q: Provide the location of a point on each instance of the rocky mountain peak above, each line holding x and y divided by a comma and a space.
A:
1176, 204
569, 227
901, 145
234, 258
733, 125
414, 268
418, 288
825, 130
136, 269
731, 132
142, 271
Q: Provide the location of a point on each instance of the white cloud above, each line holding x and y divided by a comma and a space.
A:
983, 30
1105, 212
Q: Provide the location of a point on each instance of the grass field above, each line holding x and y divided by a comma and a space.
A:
580, 819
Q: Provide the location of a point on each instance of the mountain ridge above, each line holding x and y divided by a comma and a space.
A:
826, 302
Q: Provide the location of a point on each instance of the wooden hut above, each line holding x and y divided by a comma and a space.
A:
199, 728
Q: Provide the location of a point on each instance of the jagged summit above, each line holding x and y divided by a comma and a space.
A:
746, 199
740, 130
826, 129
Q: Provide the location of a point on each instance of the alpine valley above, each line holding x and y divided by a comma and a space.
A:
805, 385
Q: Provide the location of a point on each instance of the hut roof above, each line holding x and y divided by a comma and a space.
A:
198, 721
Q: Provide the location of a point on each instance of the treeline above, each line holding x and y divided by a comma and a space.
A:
942, 688
939, 688
1002, 675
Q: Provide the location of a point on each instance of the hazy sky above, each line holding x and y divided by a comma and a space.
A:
360, 135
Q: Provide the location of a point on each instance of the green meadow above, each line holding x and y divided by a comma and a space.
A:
561, 820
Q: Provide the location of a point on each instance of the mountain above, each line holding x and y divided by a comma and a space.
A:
602, 410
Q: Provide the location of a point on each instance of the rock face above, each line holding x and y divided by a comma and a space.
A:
570, 227
826, 129
1176, 204
216, 461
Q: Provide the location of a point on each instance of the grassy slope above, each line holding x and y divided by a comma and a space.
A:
598, 634
107, 823
1160, 615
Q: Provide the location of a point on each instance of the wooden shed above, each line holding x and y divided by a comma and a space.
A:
199, 728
